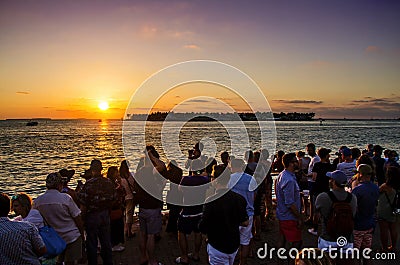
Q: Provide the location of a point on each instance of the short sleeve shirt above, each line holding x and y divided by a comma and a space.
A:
97, 194
190, 197
245, 185
313, 161
367, 194
18, 241
59, 211
347, 168
323, 204
221, 219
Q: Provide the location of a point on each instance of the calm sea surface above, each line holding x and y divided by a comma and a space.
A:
28, 154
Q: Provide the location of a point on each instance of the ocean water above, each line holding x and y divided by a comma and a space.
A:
28, 154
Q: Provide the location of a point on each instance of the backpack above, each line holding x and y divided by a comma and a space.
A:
340, 221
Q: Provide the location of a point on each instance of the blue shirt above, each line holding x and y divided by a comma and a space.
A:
367, 194
287, 193
245, 185
18, 240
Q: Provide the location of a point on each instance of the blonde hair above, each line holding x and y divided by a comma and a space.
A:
312, 256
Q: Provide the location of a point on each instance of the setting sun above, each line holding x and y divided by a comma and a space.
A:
103, 105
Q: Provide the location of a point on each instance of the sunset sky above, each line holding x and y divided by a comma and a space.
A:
60, 59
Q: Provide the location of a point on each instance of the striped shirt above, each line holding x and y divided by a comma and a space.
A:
18, 241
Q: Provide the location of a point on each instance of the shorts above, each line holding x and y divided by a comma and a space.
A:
245, 233
289, 229
129, 211
150, 221
72, 253
363, 239
217, 257
187, 225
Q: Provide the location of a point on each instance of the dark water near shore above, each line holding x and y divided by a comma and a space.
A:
28, 154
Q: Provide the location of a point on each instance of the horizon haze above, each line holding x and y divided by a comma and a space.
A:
84, 59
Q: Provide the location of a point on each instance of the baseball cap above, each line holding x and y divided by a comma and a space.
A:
338, 176
364, 169
346, 151
322, 152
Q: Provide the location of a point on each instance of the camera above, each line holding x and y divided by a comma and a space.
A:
396, 211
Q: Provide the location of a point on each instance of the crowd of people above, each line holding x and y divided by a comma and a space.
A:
339, 199
343, 199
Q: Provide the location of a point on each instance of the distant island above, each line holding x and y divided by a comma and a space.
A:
210, 116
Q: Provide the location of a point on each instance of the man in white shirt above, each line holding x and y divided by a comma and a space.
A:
311, 151
348, 166
61, 212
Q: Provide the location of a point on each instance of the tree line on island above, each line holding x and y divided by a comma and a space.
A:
210, 116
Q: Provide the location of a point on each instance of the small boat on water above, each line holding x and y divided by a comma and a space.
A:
32, 123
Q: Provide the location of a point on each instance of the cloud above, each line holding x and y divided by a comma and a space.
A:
283, 101
148, 31
389, 103
364, 108
191, 46
357, 112
372, 49
199, 101
22, 92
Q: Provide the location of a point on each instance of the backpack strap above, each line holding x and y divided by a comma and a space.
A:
332, 196
348, 198
334, 199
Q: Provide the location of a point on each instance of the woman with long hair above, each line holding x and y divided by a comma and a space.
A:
386, 217
174, 175
117, 211
127, 182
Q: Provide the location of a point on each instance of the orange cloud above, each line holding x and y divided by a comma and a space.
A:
22, 92
192, 47
148, 31
371, 49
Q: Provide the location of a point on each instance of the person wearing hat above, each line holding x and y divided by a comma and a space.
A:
96, 198
348, 166
61, 212
321, 180
323, 206
367, 194
66, 177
